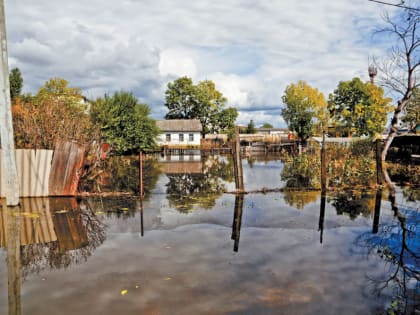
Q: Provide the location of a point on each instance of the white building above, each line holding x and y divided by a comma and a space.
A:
180, 133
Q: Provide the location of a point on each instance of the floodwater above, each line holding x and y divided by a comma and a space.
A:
191, 247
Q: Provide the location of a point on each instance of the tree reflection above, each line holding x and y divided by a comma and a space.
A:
299, 199
188, 190
398, 245
121, 173
354, 203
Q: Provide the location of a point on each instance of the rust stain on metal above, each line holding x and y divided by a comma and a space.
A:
66, 169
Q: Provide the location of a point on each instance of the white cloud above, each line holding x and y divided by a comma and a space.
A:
177, 63
252, 50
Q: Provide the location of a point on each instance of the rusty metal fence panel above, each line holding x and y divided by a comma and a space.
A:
65, 170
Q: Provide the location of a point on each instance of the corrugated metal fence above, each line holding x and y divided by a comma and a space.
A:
46, 172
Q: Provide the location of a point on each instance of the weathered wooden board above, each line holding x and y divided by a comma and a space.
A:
33, 168
66, 169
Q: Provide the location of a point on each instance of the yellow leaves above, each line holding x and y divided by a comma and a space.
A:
30, 215
62, 211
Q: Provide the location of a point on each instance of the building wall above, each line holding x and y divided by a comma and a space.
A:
176, 141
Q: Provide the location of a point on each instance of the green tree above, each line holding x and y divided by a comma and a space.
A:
251, 127
181, 99
227, 118
16, 83
124, 122
411, 118
359, 108
267, 125
203, 101
305, 109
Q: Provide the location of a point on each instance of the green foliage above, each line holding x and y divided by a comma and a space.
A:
203, 101
124, 122
411, 118
56, 113
363, 147
302, 171
348, 170
251, 127
267, 125
358, 108
16, 83
305, 109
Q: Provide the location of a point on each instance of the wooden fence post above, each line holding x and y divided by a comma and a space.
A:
239, 180
323, 165
6, 125
378, 162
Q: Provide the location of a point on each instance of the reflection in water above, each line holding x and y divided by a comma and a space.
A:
354, 203
185, 190
46, 233
237, 220
322, 216
121, 174
378, 199
398, 244
300, 199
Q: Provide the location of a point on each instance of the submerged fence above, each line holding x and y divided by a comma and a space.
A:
44, 173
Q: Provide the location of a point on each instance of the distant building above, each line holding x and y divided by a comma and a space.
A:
179, 133
272, 131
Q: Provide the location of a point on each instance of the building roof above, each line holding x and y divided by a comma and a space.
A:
179, 125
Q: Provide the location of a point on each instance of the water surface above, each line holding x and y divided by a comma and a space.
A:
192, 248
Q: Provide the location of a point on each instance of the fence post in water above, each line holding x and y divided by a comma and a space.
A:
14, 260
378, 162
6, 126
239, 180
377, 214
237, 219
141, 173
323, 165
322, 216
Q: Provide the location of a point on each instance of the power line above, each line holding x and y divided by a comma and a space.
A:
396, 5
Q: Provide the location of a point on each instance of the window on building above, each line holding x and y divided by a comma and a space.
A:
168, 137
181, 137
191, 137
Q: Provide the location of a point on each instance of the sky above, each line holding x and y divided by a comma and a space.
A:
250, 49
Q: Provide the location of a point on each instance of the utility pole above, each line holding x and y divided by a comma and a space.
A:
9, 171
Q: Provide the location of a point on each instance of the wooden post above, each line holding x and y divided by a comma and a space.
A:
323, 165
140, 205
322, 216
379, 171
377, 214
239, 180
141, 173
9, 170
237, 219
13, 261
